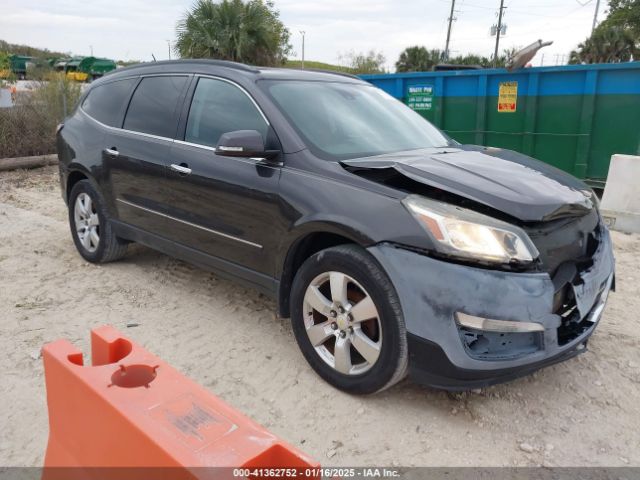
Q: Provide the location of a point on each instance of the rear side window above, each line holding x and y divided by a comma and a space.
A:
153, 106
106, 102
219, 107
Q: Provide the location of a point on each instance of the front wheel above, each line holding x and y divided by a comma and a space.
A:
347, 320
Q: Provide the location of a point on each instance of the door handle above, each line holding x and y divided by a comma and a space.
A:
182, 168
112, 151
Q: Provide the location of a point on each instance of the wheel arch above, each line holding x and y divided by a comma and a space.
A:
304, 245
74, 177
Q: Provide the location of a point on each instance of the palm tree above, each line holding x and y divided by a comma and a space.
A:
417, 59
608, 44
248, 32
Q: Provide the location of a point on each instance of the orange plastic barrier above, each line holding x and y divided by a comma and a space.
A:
131, 409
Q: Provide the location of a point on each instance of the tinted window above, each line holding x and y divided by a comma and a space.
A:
153, 106
105, 103
219, 107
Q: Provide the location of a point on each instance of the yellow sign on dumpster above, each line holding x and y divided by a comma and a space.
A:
508, 96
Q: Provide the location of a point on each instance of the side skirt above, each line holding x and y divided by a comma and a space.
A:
229, 270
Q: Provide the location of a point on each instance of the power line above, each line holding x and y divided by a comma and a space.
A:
595, 14
564, 27
525, 12
464, 3
483, 7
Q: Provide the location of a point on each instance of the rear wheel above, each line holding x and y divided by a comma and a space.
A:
90, 226
347, 320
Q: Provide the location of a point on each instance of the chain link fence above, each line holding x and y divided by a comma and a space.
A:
28, 127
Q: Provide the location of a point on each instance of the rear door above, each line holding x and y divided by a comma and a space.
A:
223, 206
102, 110
137, 154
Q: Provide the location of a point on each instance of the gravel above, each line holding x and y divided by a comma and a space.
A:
228, 339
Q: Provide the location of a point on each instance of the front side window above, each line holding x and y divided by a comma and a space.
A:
106, 102
219, 107
153, 106
349, 120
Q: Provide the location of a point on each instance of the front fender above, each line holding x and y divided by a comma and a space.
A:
317, 224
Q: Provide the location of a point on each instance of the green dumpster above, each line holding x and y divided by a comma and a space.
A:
19, 65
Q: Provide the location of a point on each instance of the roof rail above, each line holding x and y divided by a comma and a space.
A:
335, 72
203, 61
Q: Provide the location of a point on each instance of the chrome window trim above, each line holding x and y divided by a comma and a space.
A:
199, 145
249, 160
215, 232
116, 129
158, 137
139, 78
166, 139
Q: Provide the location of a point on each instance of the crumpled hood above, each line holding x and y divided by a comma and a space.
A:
510, 182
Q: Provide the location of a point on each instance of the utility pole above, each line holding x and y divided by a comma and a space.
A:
302, 32
595, 17
445, 56
495, 53
91, 49
169, 47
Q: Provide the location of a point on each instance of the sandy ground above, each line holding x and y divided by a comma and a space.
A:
583, 412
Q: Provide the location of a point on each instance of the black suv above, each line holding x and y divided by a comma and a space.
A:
393, 248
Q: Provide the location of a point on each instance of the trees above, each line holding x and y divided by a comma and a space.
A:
5, 60
617, 38
26, 50
626, 14
470, 59
422, 59
370, 62
248, 32
607, 44
418, 59
485, 62
316, 65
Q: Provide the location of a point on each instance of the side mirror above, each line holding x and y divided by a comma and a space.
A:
247, 144
241, 143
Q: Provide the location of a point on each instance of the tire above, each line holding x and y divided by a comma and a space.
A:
364, 373
108, 247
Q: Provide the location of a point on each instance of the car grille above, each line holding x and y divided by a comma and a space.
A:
566, 248
566, 240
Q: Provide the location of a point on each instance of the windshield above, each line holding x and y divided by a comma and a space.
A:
341, 120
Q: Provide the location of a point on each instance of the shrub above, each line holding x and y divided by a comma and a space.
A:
28, 128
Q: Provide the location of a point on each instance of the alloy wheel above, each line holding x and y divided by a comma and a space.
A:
342, 323
87, 222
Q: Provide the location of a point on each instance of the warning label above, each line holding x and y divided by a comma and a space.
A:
192, 421
508, 96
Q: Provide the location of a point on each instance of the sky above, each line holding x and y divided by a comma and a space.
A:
136, 29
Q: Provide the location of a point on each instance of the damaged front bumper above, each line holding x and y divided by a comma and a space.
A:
470, 327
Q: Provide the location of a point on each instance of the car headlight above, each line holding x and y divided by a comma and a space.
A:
460, 232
